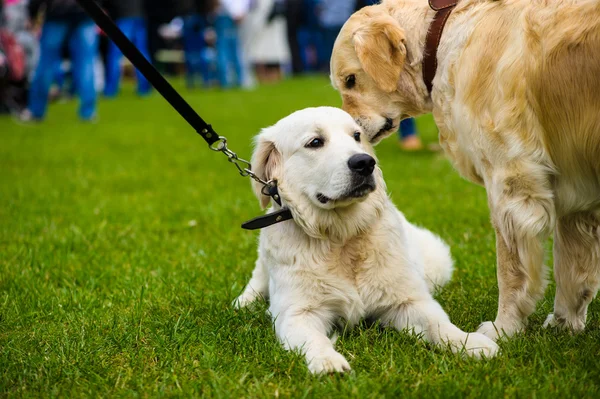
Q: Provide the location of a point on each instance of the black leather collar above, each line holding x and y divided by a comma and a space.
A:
270, 218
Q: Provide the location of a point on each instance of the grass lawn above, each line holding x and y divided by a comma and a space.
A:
121, 251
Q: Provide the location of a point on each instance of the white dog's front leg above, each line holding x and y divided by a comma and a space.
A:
427, 317
257, 286
301, 330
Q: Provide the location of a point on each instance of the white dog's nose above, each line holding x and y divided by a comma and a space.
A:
363, 164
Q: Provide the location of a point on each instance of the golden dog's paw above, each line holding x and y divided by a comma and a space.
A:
496, 330
329, 362
573, 325
480, 346
489, 330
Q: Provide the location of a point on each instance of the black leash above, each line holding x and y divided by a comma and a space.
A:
205, 130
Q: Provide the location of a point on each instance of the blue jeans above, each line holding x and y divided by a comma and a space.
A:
329, 34
228, 51
194, 48
60, 79
136, 30
408, 128
83, 47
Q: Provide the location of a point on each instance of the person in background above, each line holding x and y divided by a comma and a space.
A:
310, 37
16, 19
332, 15
20, 49
195, 14
294, 18
407, 135
229, 15
267, 49
65, 22
129, 17
159, 13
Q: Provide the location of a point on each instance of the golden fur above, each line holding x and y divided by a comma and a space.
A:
516, 98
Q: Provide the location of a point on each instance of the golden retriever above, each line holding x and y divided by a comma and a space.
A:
516, 98
348, 254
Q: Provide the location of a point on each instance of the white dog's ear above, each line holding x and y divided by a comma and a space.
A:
266, 163
379, 45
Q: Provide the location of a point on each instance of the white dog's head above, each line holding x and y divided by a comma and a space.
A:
320, 160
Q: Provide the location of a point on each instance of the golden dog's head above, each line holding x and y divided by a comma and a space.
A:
370, 67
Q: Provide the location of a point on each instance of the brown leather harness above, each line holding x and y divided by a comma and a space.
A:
443, 8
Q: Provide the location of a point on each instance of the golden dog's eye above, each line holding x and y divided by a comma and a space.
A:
315, 143
350, 81
357, 136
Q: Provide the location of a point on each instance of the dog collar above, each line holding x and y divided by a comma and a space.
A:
442, 9
268, 220
271, 218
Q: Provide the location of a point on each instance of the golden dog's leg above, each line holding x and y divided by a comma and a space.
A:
522, 207
576, 269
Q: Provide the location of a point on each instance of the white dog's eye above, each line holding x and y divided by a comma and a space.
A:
357, 136
350, 81
315, 143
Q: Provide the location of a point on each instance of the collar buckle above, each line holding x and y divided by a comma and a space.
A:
270, 190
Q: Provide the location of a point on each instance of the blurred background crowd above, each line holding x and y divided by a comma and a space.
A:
51, 50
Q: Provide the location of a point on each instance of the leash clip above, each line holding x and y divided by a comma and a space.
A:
270, 190
269, 187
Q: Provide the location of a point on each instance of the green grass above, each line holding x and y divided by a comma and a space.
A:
121, 251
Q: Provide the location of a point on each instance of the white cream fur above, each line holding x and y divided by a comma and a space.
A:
343, 261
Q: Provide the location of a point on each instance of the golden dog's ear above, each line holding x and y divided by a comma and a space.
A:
266, 164
379, 45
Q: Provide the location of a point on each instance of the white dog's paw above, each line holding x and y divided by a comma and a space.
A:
550, 321
479, 345
328, 362
574, 326
244, 300
495, 330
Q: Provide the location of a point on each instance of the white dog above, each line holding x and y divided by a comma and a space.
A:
348, 253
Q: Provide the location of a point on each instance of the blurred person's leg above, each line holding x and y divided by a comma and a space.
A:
235, 55
223, 25
329, 36
114, 56
140, 37
293, 16
249, 31
60, 76
51, 42
84, 48
408, 127
323, 54
409, 140
304, 46
192, 47
206, 66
